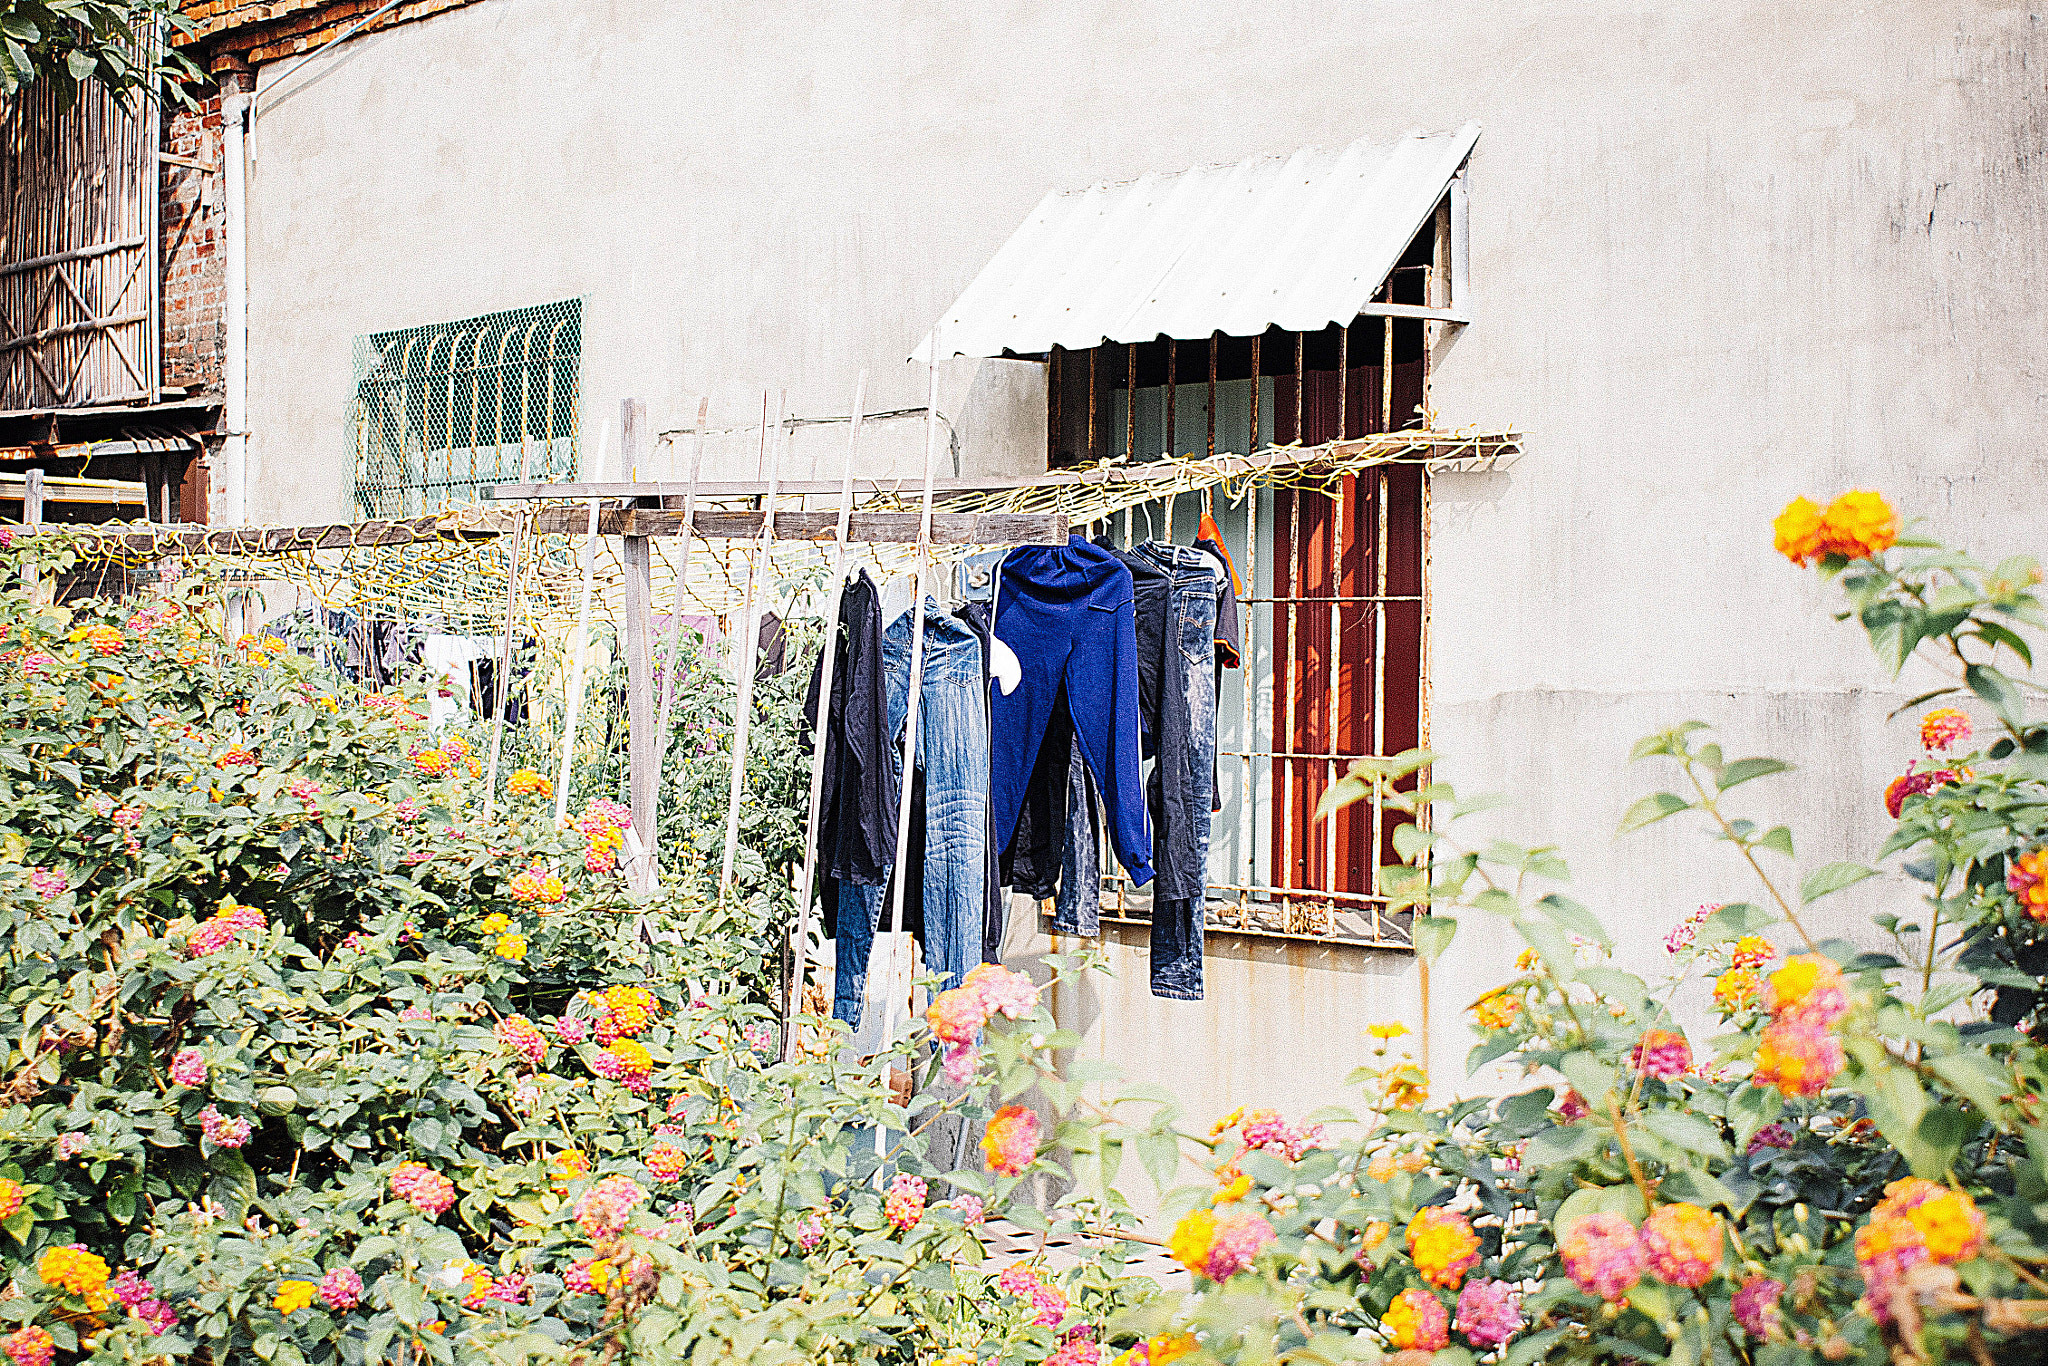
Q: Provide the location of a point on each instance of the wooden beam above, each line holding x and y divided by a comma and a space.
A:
642, 751
964, 528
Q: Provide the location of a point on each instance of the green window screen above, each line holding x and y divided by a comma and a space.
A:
441, 412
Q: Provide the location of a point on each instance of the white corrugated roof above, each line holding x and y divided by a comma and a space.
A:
1299, 242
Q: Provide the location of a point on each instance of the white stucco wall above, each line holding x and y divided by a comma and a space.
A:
1723, 254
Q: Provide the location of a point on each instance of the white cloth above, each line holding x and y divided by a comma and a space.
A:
448, 679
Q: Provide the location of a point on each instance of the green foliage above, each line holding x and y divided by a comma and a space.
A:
261, 952
72, 42
1855, 1154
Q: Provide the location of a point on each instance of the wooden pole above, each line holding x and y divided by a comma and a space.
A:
42, 590
504, 680
826, 662
914, 680
582, 645
638, 555
743, 707
675, 620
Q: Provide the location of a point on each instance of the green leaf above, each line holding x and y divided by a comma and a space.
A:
1832, 878
2001, 692
1576, 919
1346, 791
1592, 1078
1432, 935
1743, 770
1498, 1046
1551, 945
1651, 809
1410, 840
1778, 838
1688, 1131
1732, 921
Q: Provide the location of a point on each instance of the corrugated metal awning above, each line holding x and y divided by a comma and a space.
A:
1299, 242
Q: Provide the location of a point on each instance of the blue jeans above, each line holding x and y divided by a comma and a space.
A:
1184, 759
1174, 596
953, 752
1067, 613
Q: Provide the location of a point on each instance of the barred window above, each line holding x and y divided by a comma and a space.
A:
441, 412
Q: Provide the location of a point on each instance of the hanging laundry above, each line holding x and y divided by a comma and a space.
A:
857, 805
1067, 613
953, 754
1229, 632
771, 656
1175, 592
994, 903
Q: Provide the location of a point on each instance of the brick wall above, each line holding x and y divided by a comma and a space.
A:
241, 34
194, 270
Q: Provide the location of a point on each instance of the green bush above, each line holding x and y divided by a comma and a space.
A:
305, 1061
1854, 1167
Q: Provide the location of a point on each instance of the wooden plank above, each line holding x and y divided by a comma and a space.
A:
80, 253
32, 498
962, 528
71, 329
641, 747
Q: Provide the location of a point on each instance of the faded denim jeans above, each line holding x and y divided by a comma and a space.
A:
1175, 596
953, 751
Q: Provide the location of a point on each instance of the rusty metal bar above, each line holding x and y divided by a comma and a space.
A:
1251, 446
1343, 376
1387, 382
1055, 381
1379, 679
1093, 352
1300, 386
1330, 876
1293, 687
1213, 343
1131, 402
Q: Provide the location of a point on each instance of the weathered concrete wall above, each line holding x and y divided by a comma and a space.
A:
1722, 255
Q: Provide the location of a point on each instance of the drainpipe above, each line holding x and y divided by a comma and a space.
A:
235, 360
235, 450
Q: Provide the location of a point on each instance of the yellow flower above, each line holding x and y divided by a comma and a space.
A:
1190, 1240
292, 1296
1382, 1167
496, 923
601, 1273
1796, 533
1168, 1347
1496, 1009
1230, 1121
1375, 1233
1232, 1193
1736, 989
527, 783
1950, 1223
1443, 1246
1389, 1029
83, 1274
511, 946
1859, 524
1526, 960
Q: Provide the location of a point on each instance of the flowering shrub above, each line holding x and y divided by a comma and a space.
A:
294, 1070
1852, 1167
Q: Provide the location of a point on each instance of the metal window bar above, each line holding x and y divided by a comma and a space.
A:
1265, 886
441, 411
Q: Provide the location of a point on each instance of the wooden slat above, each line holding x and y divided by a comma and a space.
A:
970, 528
967, 528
